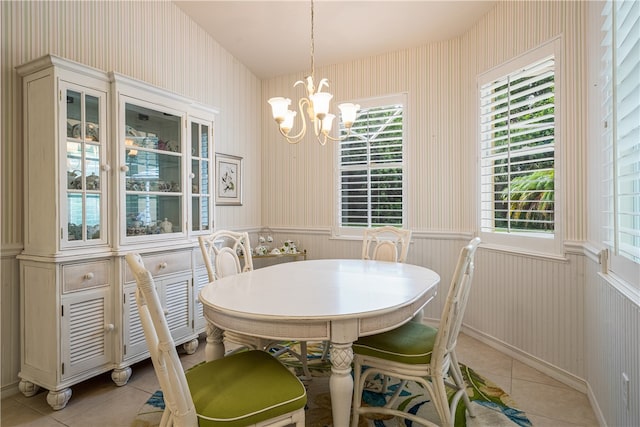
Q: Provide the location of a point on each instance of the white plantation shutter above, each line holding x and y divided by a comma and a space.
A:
621, 135
517, 145
371, 167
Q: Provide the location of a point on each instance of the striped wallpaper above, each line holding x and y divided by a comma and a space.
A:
440, 81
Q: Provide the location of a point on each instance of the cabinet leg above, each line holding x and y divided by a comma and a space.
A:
59, 399
121, 376
191, 346
28, 388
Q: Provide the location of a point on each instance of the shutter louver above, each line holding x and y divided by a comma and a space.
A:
517, 144
621, 108
371, 169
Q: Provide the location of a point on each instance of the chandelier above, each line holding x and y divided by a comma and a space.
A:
317, 108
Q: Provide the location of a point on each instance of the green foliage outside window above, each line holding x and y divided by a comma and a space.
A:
524, 141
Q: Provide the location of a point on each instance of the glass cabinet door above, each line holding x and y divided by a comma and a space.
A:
200, 176
84, 156
153, 164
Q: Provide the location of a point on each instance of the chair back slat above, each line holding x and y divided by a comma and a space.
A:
227, 263
386, 243
385, 251
220, 252
164, 356
455, 306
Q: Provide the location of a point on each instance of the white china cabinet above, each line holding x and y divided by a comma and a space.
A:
112, 165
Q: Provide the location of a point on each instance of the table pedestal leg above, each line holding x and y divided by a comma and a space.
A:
214, 348
341, 383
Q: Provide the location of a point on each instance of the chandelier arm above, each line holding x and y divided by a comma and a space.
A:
298, 137
290, 140
329, 137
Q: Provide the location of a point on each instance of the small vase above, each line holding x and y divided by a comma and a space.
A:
166, 226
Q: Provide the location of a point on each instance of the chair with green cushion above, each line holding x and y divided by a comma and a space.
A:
245, 389
420, 353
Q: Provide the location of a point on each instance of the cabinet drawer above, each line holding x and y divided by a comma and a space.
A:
83, 276
166, 263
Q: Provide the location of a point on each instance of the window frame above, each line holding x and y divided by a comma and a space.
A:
357, 232
550, 244
617, 264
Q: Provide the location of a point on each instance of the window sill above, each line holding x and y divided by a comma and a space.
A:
523, 252
622, 286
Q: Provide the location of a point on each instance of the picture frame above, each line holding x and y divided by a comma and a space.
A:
228, 180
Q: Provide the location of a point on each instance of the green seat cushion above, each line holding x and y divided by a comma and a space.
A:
411, 343
243, 389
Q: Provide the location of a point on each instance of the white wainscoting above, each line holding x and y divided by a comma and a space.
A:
612, 347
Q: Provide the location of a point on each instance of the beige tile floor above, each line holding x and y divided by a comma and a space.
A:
98, 402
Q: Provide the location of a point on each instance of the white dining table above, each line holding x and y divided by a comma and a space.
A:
337, 300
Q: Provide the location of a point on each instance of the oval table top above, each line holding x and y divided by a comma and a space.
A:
320, 289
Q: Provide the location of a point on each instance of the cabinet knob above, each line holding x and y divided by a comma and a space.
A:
162, 265
106, 168
192, 175
109, 327
166, 313
124, 168
88, 276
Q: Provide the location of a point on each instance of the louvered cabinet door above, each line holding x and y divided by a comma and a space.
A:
176, 298
134, 341
87, 328
201, 280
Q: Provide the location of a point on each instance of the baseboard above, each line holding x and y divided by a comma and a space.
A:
546, 368
9, 390
595, 407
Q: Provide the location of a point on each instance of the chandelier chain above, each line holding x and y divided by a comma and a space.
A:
312, 45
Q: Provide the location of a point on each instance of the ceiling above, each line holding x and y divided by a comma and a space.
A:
273, 38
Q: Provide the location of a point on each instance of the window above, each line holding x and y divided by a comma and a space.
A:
621, 136
371, 167
517, 137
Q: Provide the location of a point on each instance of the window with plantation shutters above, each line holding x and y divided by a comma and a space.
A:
620, 96
517, 137
371, 166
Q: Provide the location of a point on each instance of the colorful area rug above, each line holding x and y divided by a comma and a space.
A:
493, 407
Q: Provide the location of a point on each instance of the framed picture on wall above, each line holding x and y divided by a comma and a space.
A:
228, 180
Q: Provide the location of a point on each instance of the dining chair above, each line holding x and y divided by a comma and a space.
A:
247, 388
222, 251
420, 353
386, 243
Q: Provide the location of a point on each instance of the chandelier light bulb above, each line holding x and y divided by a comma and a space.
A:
287, 123
327, 122
320, 102
348, 111
279, 107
